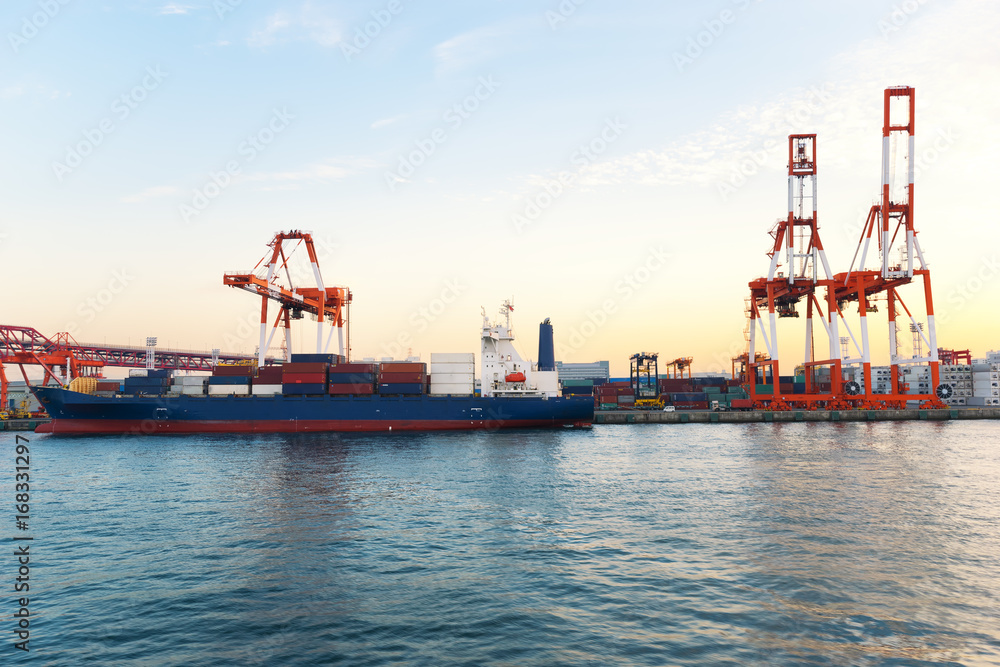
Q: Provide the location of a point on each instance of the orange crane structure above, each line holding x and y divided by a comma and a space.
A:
327, 304
678, 367
798, 248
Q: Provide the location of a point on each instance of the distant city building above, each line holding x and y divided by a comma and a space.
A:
598, 370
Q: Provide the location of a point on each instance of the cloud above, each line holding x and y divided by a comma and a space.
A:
333, 169
387, 121
174, 8
152, 193
477, 46
941, 53
308, 23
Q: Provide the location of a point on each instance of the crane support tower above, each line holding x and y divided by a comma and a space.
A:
797, 248
327, 304
901, 265
645, 380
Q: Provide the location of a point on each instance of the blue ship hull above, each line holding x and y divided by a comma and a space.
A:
76, 413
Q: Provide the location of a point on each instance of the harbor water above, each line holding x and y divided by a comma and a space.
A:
658, 544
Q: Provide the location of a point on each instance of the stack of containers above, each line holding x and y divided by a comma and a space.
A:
882, 380
267, 382
690, 400
353, 379
985, 384
107, 388
959, 376
402, 378
606, 397
231, 380
452, 373
144, 382
916, 380
578, 387
189, 385
300, 378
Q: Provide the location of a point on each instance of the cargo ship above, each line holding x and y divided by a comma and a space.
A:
318, 392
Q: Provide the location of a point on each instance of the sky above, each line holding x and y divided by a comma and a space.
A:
613, 166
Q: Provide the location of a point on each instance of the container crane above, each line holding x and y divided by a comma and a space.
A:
327, 304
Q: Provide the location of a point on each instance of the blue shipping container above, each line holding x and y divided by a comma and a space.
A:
401, 388
315, 358
229, 379
301, 389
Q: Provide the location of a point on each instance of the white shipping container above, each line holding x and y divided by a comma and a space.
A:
463, 389
982, 402
452, 368
453, 357
228, 389
266, 389
189, 390
452, 378
190, 380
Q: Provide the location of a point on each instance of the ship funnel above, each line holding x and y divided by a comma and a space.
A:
546, 348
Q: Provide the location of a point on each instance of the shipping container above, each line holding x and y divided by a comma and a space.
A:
352, 378
265, 389
269, 374
315, 358
227, 371
303, 389
401, 377
305, 367
453, 357
452, 378
354, 367
403, 367
303, 378
228, 390
225, 380
361, 389
452, 368
459, 388
402, 388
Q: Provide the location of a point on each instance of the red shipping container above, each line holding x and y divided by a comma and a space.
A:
740, 403
107, 386
305, 367
343, 389
233, 371
403, 367
269, 373
303, 378
401, 378
354, 368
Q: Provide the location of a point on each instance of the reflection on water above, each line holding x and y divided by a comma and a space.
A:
853, 544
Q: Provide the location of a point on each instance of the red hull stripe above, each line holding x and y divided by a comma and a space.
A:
150, 426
